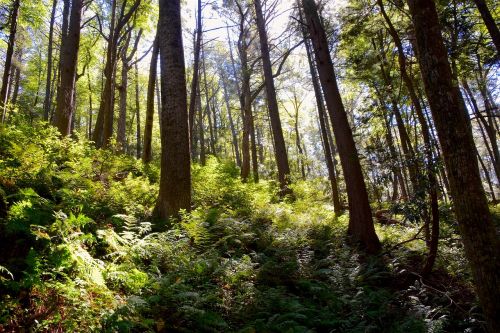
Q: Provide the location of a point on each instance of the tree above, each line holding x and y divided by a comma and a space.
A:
175, 177
8, 57
67, 67
127, 64
279, 141
150, 108
196, 70
104, 123
450, 117
47, 100
490, 23
360, 216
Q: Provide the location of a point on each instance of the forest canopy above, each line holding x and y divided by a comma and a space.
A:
249, 166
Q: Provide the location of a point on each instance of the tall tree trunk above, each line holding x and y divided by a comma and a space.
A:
46, 101
104, 123
8, 58
360, 217
431, 177
201, 128
253, 143
175, 178
150, 104
138, 113
451, 120
91, 107
490, 23
68, 65
230, 118
279, 141
121, 135
196, 70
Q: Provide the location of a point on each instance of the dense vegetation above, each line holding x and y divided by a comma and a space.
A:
249, 166
81, 254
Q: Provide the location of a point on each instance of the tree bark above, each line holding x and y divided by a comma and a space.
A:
360, 218
175, 178
68, 66
450, 117
279, 141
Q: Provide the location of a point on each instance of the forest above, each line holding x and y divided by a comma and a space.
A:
249, 166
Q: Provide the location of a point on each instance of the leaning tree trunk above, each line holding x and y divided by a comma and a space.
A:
8, 58
175, 178
360, 222
490, 23
68, 65
150, 104
279, 140
454, 132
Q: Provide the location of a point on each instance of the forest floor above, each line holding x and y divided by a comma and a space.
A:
79, 256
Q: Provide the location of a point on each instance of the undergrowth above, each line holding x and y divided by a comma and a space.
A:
79, 253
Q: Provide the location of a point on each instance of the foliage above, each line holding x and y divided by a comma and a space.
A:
81, 256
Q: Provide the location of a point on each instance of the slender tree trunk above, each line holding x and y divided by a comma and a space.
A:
451, 120
46, 101
175, 178
138, 113
150, 104
279, 141
121, 135
231, 121
488, 126
201, 128
91, 108
8, 58
196, 70
253, 142
360, 217
68, 65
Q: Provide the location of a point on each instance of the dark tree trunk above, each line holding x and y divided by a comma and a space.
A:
104, 123
150, 104
175, 178
67, 66
8, 58
431, 172
279, 141
451, 120
490, 23
360, 217
47, 101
